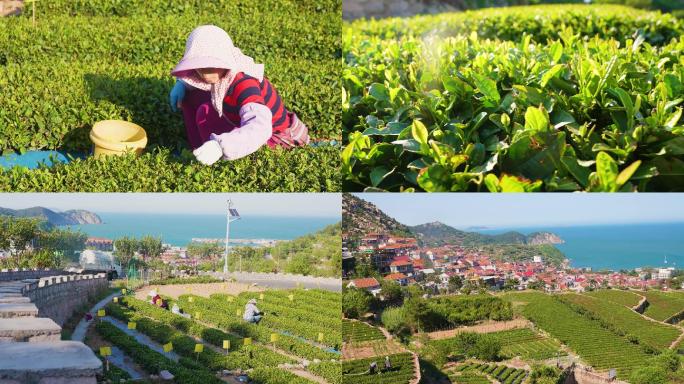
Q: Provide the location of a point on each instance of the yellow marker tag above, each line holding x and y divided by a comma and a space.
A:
320, 336
191, 299
230, 299
168, 347
238, 312
101, 313
197, 315
261, 296
116, 299
291, 297
105, 351
132, 325
123, 291
226, 344
274, 337
199, 348
248, 341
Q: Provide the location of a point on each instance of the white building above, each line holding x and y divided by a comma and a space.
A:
664, 273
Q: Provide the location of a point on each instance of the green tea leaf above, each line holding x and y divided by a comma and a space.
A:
487, 87
378, 92
419, 132
607, 171
627, 173
553, 71
535, 120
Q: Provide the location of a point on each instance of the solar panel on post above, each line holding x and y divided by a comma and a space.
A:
233, 212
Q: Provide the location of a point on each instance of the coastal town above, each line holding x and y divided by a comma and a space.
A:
403, 260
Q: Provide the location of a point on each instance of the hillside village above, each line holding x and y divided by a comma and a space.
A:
405, 260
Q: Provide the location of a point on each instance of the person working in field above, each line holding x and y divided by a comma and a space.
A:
229, 106
252, 313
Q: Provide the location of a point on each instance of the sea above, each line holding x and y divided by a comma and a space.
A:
615, 247
180, 229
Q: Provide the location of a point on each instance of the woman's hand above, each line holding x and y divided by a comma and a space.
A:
177, 95
209, 153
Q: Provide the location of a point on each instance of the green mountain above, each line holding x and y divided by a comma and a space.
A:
70, 217
436, 233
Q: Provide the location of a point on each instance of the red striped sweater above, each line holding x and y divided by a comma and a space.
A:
247, 89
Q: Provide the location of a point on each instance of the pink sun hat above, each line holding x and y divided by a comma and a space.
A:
209, 46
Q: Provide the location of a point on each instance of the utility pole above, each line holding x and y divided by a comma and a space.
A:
231, 215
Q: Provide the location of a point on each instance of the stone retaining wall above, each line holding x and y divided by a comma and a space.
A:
23, 274
58, 296
580, 375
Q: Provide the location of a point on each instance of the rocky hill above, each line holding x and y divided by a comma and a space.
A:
70, 217
544, 238
360, 217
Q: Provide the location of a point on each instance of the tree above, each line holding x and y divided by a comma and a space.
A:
455, 283
125, 248
418, 314
391, 291
150, 247
300, 264
16, 234
63, 240
356, 302
205, 250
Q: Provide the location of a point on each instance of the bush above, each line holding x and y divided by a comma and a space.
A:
430, 104
394, 321
186, 280
307, 169
356, 302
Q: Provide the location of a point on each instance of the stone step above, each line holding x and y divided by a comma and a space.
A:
48, 362
3, 295
10, 290
31, 329
14, 300
18, 310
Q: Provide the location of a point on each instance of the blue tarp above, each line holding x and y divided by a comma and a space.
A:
32, 159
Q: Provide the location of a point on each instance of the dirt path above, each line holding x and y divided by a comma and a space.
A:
204, 290
307, 375
489, 327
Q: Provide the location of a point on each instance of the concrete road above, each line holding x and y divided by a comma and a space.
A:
282, 280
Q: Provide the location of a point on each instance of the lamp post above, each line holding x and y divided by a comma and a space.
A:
232, 215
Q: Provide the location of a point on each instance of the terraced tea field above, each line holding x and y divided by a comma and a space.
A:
596, 345
655, 334
527, 344
356, 331
477, 373
626, 298
355, 371
663, 305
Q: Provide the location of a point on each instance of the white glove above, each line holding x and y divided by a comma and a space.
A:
209, 153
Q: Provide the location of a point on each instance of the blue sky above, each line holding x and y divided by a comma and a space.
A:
463, 210
262, 204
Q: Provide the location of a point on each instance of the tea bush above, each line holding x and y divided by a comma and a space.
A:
571, 109
87, 61
303, 170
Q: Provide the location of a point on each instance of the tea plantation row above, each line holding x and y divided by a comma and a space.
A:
463, 113
303, 170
